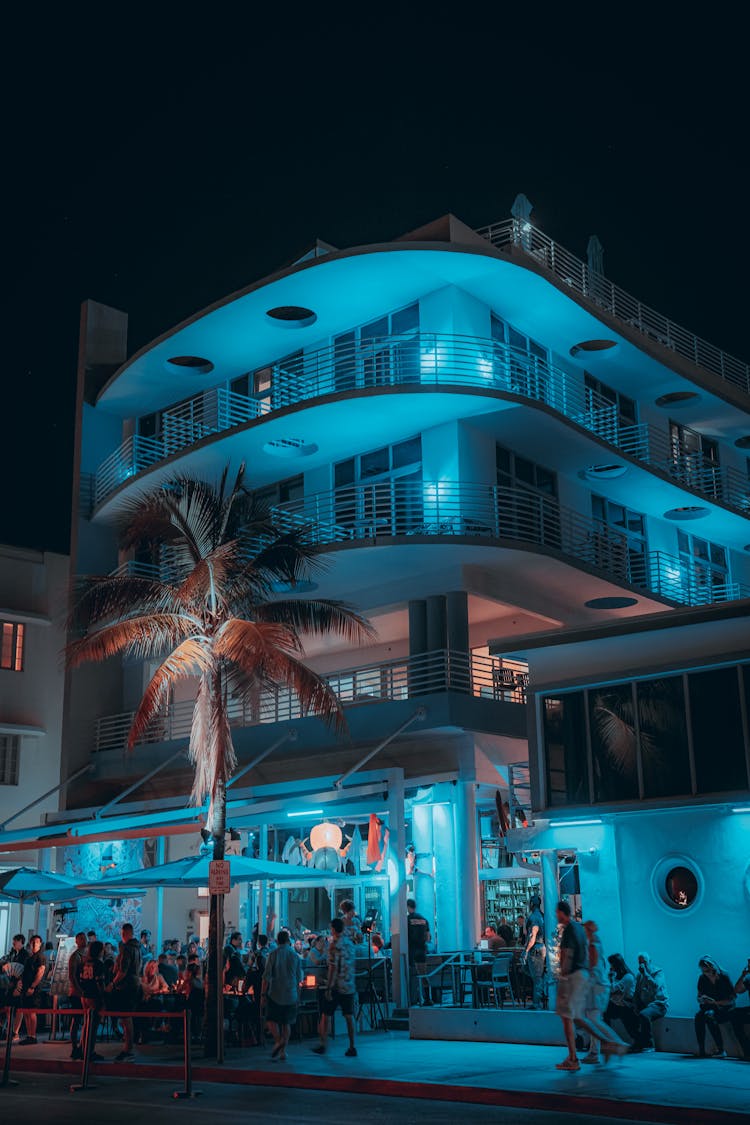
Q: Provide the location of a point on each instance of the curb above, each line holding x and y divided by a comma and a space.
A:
658, 1114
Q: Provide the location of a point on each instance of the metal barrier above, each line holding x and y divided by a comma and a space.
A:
87, 1014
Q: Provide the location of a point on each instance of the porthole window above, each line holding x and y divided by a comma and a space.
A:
677, 883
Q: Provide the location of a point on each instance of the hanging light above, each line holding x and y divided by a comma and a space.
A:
326, 835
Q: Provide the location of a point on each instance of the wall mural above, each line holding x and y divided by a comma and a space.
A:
90, 863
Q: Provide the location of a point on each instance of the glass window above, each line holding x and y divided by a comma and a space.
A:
343, 473
613, 743
718, 741
407, 453
148, 425
11, 649
375, 463
663, 737
405, 320
9, 756
513, 469
599, 396
240, 385
564, 726
375, 329
680, 887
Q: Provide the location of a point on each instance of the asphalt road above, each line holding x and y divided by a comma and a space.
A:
46, 1099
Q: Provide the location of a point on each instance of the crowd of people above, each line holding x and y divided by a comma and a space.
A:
593, 994
261, 981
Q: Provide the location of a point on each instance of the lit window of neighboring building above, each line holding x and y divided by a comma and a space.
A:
9, 754
11, 651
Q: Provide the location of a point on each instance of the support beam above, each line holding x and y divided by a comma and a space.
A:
418, 717
38, 800
289, 736
137, 784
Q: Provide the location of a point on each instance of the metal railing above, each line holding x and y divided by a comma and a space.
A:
572, 271
425, 359
389, 681
409, 509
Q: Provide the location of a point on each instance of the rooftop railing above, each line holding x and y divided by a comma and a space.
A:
572, 271
411, 509
388, 681
429, 360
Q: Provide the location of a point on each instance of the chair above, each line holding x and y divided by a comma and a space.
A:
501, 978
503, 681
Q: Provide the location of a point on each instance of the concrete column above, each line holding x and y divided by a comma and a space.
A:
550, 899
424, 882
437, 632
457, 614
397, 851
448, 897
467, 864
417, 627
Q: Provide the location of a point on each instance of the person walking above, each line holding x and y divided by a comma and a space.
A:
650, 1001
75, 964
740, 1015
601, 1035
340, 986
572, 985
535, 952
282, 978
716, 1001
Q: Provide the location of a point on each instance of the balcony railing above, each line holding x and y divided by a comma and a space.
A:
407, 509
422, 360
393, 680
574, 272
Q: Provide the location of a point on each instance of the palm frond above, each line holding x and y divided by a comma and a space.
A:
318, 617
244, 641
206, 583
98, 598
141, 637
211, 749
617, 736
191, 658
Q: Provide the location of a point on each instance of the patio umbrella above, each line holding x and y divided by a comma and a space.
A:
192, 871
27, 884
595, 256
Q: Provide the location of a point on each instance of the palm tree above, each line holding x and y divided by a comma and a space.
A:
220, 620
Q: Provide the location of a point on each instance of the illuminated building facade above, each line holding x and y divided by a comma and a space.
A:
496, 448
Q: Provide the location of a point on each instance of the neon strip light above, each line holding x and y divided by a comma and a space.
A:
307, 812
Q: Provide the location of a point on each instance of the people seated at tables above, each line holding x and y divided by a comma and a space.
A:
716, 1002
378, 945
504, 931
153, 989
168, 970
234, 970
317, 954
493, 939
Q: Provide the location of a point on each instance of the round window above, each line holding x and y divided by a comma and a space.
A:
677, 882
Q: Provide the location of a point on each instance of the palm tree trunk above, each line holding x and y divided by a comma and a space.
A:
215, 930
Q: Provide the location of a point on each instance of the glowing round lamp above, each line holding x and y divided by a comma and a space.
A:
326, 835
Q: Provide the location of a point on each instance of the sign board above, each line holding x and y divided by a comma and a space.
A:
218, 877
59, 985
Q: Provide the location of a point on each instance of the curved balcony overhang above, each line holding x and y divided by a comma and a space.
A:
468, 385
353, 286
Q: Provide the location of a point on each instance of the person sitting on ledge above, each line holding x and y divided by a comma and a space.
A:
716, 1001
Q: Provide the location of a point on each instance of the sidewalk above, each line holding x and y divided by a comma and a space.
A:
651, 1087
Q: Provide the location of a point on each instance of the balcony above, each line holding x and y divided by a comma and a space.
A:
573, 272
421, 361
413, 677
414, 509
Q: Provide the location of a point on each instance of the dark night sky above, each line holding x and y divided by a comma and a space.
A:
157, 168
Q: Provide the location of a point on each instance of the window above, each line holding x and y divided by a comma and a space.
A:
9, 748
614, 743
513, 470
293, 488
392, 502
718, 740
383, 351
695, 459
564, 726
663, 737
255, 384
705, 566
11, 651
604, 400
526, 500
619, 543
527, 364
677, 882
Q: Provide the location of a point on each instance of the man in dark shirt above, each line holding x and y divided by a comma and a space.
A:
536, 951
572, 987
75, 963
168, 970
27, 990
716, 1000
92, 979
125, 990
234, 970
505, 931
19, 954
418, 934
